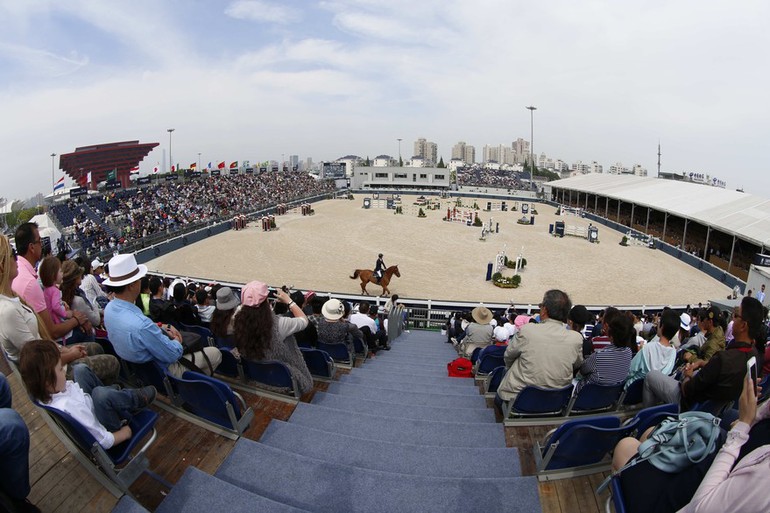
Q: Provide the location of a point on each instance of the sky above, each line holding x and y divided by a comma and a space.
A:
261, 80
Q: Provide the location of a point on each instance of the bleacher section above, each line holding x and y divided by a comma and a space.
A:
396, 434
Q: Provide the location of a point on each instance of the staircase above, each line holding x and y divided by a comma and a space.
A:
395, 435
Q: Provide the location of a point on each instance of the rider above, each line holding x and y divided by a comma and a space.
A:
379, 267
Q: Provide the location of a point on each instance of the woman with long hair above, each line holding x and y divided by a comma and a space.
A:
261, 335
222, 318
74, 296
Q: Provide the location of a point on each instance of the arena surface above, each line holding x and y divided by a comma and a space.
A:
440, 260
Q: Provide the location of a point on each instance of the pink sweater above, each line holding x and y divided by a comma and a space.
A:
53, 304
742, 488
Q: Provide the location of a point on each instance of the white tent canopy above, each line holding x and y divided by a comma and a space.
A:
47, 228
735, 213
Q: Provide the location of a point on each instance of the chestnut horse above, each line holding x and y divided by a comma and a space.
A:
368, 276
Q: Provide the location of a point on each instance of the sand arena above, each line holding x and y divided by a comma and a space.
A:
441, 260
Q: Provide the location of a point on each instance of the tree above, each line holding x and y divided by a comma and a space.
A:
441, 163
368, 163
400, 162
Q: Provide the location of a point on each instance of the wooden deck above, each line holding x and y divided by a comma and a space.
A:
60, 484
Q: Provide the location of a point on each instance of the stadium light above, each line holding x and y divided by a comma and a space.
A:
399, 151
532, 110
53, 182
170, 160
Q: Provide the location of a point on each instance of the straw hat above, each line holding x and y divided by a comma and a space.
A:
481, 314
333, 310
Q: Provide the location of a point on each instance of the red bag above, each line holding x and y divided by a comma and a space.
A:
460, 368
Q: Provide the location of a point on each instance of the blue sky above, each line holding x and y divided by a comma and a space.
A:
255, 80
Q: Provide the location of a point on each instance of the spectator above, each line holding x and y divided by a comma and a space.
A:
183, 308
333, 329
26, 285
545, 354
92, 284
478, 334
76, 298
19, 324
657, 354
368, 327
721, 378
51, 277
14, 452
261, 335
135, 337
143, 301
161, 310
710, 324
103, 411
609, 366
205, 309
579, 316
222, 318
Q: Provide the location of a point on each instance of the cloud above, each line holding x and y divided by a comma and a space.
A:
42, 63
256, 10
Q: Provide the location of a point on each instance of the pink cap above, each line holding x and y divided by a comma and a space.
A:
521, 320
253, 293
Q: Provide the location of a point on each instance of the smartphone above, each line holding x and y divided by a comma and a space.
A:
751, 368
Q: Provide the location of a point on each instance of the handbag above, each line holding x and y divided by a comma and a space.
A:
676, 444
460, 368
193, 343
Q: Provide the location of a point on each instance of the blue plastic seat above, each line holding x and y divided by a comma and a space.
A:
150, 373
205, 333
494, 379
475, 355
594, 398
489, 359
339, 352
616, 496
579, 446
212, 400
360, 347
223, 341
713, 407
108, 460
540, 402
653, 416
319, 363
272, 374
230, 365
633, 394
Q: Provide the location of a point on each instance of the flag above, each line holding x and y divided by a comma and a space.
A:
135, 169
88, 177
156, 168
234, 165
173, 169
193, 165
221, 165
209, 166
59, 185
111, 175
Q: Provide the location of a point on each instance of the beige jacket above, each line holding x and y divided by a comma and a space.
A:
543, 355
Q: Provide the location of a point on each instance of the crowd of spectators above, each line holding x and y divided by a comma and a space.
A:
490, 178
130, 216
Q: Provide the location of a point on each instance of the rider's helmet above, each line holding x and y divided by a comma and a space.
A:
380, 255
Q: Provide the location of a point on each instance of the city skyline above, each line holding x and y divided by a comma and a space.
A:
259, 80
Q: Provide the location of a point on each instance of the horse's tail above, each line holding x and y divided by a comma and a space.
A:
355, 274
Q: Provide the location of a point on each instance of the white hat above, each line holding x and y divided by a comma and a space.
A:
124, 270
501, 334
96, 263
333, 309
684, 321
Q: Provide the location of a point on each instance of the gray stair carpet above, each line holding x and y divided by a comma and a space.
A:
365, 378
404, 411
450, 388
401, 377
413, 366
445, 399
364, 452
417, 432
127, 504
198, 492
320, 486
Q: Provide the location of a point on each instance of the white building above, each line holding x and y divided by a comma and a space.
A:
384, 161
399, 178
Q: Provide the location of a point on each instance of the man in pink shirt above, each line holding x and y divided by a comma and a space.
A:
26, 285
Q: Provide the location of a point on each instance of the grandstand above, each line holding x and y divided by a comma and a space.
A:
389, 434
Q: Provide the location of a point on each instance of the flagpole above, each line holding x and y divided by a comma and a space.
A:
53, 184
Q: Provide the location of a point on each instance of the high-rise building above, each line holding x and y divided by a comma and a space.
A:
469, 156
491, 154
427, 150
293, 161
458, 151
521, 150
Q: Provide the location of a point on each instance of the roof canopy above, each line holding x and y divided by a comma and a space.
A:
735, 213
100, 159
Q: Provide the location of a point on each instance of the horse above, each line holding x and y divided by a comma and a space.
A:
368, 276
